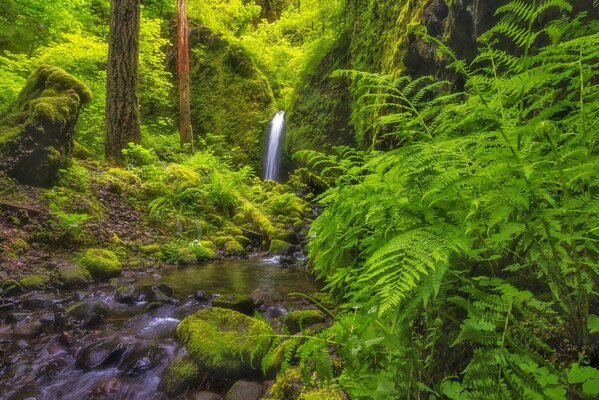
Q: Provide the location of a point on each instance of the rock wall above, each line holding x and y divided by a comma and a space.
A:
376, 38
37, 132
229, 96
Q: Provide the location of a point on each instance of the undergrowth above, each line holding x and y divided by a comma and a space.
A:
467, 255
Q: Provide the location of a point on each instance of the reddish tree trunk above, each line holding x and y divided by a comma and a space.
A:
185, 131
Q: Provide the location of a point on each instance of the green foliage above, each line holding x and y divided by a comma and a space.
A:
468, 255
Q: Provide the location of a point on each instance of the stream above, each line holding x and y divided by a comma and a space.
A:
45, 355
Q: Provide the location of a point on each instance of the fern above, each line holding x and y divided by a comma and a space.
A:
489, 205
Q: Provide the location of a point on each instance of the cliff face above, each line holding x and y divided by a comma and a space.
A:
376, 38
229, 96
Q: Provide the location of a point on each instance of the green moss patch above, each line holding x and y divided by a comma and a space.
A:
178, 376
101, 263
225, 343
296, 321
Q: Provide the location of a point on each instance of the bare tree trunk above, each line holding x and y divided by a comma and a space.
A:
122, 85
185, 131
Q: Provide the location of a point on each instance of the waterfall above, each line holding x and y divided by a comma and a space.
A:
272, 161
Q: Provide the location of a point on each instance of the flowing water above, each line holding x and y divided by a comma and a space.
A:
272, 163
124, 357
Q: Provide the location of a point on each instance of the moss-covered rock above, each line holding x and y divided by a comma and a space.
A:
279, 247
220, 241
230, 96
233, 248
72, 276
35, 281
89, 313
10, 287
179, 375
225, 343
243, 241
295, 321
288, 385
36, 134
323, 393
238, 302
101, 263
180, 177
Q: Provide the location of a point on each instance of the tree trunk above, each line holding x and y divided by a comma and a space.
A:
185, 131
122, 85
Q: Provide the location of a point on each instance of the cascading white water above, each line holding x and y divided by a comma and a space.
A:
272, 161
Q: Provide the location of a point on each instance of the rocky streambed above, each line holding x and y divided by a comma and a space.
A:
125, 339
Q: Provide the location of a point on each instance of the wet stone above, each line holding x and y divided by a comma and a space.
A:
245, 390
204, 395
89, 313
238, 302
126, 294
37, 301
201, 296
17, 316
30, 328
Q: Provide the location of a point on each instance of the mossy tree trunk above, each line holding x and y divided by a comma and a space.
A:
122, 86
185, 131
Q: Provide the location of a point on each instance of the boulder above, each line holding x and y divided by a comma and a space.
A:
90, 313
288, 385
73, 276
279, 247
10, 287
238, 302
28, 328
295, 321
133, 357
178, 376
233, 248
30, 282
36, 133
204, 395
225, 343
37, 301
245, 390
101, 263
126, 294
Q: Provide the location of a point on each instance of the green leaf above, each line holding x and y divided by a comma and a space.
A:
593, 324
591, 386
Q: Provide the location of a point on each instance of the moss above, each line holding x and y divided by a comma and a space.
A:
33, 281
73, 276
233, 231
233, 248
296, 321
202, 253
10, 287
152, 249
278, 246
181, 177
243, 241
178, 376
288, 385
225, 343
208, 244
324, 393
229, 96
222, 240
36, 136
101, 263
186, 256
238, 302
